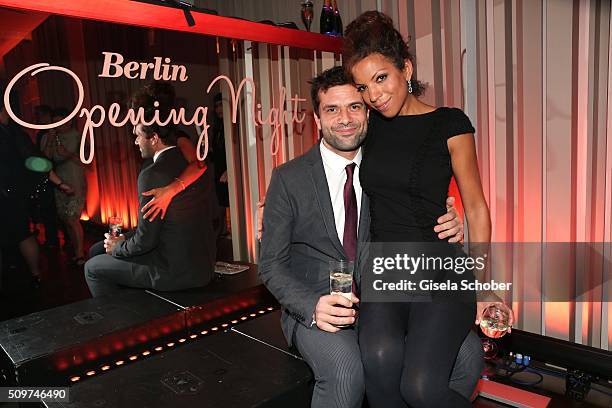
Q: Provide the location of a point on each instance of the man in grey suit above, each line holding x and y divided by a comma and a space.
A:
173, 253
304, 228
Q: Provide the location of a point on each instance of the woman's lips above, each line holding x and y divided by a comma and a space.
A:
381, 107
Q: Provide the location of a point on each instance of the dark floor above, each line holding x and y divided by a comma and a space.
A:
62, 281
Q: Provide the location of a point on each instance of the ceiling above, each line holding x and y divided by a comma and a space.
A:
17, 25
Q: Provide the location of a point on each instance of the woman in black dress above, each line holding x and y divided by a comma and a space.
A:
411, 152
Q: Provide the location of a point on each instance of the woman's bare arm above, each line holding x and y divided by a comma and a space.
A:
162, 197
465, 168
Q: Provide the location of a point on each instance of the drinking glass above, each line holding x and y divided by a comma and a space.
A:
495, 321
115, 225
341, 278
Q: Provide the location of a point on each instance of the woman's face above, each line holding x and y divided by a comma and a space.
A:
382, 85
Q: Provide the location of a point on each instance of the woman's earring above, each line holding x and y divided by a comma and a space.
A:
409, 86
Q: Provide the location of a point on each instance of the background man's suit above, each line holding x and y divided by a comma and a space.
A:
175, 253
299, 239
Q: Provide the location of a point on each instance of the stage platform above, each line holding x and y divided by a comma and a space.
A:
222, 370
48, 347
64, 345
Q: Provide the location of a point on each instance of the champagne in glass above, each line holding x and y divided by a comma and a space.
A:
494, 321
341, 280
115, 225
341, 284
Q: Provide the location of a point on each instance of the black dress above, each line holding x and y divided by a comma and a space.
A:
406, 172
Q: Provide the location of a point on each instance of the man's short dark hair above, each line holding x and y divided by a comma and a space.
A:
327, 79
163, 93
160, 91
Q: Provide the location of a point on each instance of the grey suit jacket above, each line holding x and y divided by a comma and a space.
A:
179, 250
300, 238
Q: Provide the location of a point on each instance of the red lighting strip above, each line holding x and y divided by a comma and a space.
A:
149, 15
107, 366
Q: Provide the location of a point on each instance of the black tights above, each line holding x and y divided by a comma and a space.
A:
409, 349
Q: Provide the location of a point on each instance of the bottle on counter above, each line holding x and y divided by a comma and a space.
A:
338, 28
327, 19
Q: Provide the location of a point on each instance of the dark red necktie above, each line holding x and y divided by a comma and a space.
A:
349, 240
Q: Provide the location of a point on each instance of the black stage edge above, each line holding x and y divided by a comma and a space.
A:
228, 300
225, 370
267, 330
49, 347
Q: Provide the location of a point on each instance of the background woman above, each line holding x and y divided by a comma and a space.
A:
61, 145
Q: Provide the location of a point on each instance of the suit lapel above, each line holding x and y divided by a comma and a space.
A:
319, 180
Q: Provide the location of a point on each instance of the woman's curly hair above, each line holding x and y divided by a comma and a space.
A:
373, 33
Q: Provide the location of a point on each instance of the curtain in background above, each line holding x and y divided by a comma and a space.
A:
535, 77
78, 45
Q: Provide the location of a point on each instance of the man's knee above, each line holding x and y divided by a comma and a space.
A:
336, 363
348, 373
343, 382
343, 368
92, 268
468, 366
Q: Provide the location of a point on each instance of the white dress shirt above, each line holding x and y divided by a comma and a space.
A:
156, 155
335, 173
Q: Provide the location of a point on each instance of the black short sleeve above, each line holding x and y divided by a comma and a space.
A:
455, 122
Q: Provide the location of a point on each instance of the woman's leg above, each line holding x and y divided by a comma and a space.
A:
381, 340
75, 231
29, 250
436, 331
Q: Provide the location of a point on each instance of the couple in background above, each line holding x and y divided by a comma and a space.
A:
172, 249
388, 187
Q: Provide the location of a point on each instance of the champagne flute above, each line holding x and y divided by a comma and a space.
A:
341, 280
307, 14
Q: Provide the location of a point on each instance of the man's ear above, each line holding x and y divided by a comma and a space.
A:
155, 138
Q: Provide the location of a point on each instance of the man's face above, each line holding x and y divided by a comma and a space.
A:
344, 118
145, 145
